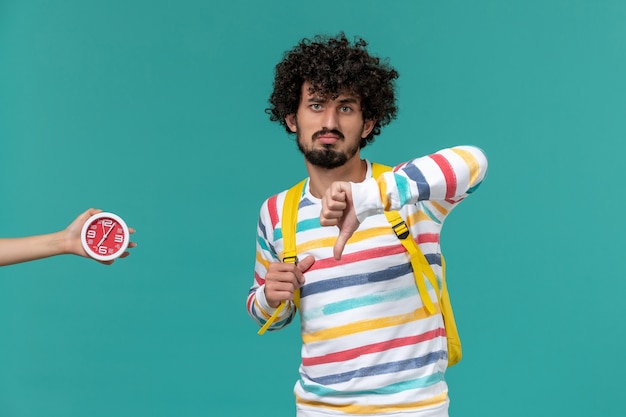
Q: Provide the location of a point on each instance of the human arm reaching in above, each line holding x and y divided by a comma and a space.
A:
67, 241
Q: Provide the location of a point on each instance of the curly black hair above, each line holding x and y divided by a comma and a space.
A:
333, 66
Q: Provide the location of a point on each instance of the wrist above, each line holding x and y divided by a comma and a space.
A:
263, 302
58, 243
366, 198
64, 244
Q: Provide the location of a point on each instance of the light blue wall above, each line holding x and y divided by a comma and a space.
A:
155, 110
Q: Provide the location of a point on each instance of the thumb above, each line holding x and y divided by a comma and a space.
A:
340, 243
306, 263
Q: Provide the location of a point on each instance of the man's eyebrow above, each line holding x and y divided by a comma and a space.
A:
316, 99
321, 100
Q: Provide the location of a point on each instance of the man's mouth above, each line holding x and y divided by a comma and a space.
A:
328, 137
327, 140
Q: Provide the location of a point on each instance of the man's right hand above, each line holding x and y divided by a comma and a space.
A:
283, 278
338, 210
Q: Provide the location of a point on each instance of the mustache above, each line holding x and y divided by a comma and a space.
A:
327, 131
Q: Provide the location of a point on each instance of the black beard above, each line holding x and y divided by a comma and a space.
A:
326, 158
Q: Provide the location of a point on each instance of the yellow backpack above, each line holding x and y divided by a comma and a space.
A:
419, 263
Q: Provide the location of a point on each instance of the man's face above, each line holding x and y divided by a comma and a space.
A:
329, 129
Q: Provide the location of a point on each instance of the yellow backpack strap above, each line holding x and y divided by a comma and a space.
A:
379, 169
418, 261
402, 231
289, 220
455, 350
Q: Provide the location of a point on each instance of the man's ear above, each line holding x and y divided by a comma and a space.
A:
292, 124
368, 126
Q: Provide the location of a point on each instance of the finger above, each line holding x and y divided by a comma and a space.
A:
337, 192
330, 217
335, 205
340, 244
278, 268
303, 266
279, 296
284, 288
328, 222
306, 263
278, 292
289, 277
92, 211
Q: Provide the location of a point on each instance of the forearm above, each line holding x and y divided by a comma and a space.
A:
23, 249
448, 175
266, 260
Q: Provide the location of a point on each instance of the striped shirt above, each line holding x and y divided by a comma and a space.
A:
369, 347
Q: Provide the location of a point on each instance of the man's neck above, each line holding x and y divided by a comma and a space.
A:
321, 178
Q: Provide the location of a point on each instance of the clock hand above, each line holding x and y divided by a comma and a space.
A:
106, 234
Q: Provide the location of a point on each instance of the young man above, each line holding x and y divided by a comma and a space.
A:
67, 241
369, 345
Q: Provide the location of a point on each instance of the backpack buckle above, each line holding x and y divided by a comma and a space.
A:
401, 230
291, 259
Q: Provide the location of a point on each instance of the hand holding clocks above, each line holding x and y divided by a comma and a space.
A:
101, 236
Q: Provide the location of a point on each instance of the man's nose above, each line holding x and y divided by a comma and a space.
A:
331, 121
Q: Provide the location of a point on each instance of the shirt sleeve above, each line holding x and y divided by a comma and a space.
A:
448, 176
256, 304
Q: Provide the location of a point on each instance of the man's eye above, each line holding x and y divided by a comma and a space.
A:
316, 106
346, 109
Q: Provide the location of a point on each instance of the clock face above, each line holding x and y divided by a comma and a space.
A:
105, 236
